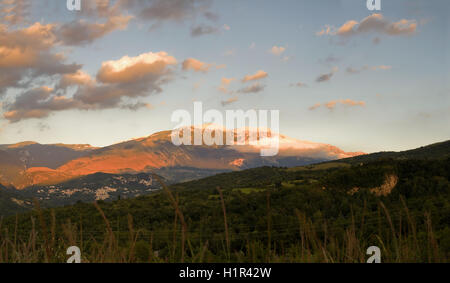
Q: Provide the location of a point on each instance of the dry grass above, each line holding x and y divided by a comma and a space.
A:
227, 238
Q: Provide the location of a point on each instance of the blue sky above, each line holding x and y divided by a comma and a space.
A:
387, 90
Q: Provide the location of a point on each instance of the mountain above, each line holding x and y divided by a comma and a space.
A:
436, 151
51, 164
12, 169
17, 159
33, 154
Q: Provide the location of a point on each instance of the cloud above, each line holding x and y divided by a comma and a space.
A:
257, 76
277, 50
118, 84
83, 32
107, 96
100, 18
203, 30
352, 70
29, 57
161, 11
34, 55
326, 77
9, 80
128, 77
27, 54
229, 101
373, 23
224, 89
331, 105
254, 88
36, 103
315, 106
199, 66
14, 12
101, 8
148, 66
225, 82
299, 84
77, 79
377, 23
324, 31
96, 20
347, 28
26, 42
196, 65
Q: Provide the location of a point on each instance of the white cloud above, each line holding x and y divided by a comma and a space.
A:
277, 50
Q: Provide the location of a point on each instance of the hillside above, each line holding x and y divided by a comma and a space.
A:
276, 214
438, 151
90, 188
12, 203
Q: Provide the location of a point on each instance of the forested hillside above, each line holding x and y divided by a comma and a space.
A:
323, 213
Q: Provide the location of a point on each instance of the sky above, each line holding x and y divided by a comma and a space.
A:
116, 70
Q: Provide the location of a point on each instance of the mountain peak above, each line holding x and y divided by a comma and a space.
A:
21, 144
78, 147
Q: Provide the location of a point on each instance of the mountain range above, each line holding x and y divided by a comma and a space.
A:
367, 196
29, 163
112, 186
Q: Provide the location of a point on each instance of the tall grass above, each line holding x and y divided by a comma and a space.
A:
178, 213
227, 238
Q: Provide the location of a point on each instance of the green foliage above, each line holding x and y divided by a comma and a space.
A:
11, 202
437, 151
273, 215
